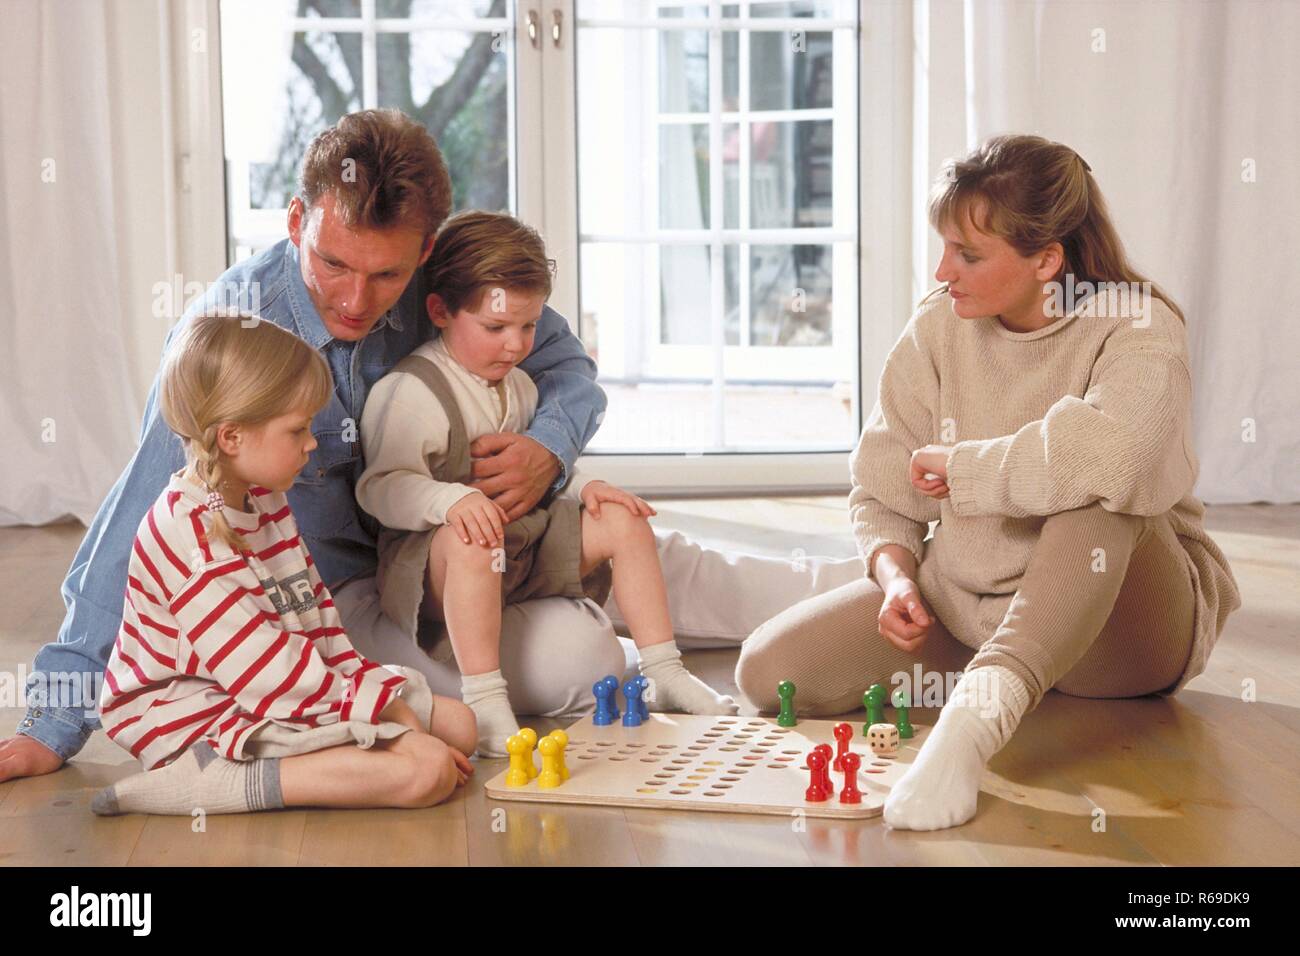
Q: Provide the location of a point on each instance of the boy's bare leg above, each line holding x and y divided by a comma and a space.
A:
629, 542
465, 588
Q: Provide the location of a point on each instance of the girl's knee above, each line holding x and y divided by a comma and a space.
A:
429, 772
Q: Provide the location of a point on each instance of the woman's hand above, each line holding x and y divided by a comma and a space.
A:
597, 491
478, 518
904, 620
928, 470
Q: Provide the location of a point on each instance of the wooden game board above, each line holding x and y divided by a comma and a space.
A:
728, 764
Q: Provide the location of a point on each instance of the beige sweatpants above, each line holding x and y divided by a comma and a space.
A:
1121, 631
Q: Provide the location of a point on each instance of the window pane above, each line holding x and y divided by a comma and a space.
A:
790, 169
467, 115
322, 85
795, 8
683, 71
280, 87
790, 295
684, 306
735, 341
790, 71
440, 9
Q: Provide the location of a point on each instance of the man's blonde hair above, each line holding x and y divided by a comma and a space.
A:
384, 170
235, 367
477, 251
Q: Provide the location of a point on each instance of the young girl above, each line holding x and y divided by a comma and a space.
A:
459, 560
1049, 438
232, 680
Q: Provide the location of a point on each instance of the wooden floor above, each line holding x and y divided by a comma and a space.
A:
1205, 778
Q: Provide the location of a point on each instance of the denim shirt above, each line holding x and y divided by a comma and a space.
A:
63, 687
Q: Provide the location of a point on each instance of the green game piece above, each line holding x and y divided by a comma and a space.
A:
874, 701
785, 690
899, 700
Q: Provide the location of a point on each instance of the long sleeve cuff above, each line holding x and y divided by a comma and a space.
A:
374, 689
962, 478
558, 443
60, 729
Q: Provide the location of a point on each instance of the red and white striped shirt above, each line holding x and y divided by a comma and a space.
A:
215, 644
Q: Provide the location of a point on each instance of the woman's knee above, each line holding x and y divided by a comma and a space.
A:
1090, 522
796, 646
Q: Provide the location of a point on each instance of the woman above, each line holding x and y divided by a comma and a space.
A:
1049, 439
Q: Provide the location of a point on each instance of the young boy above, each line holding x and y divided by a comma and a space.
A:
457, 560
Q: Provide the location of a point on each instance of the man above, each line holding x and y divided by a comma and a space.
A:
373, 192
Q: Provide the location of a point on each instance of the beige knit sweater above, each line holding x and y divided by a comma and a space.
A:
1085, 410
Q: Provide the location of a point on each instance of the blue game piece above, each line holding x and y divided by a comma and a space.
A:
611, 682
632, 713
604, 698
640, 698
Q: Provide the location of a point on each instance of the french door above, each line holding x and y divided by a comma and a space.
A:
694, 168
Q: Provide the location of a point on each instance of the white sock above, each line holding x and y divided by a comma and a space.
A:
941, 788
485, 694
196, 780
676, 688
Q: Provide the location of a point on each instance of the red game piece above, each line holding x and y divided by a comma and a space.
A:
816, 792
826, 751
851, 793
843, 734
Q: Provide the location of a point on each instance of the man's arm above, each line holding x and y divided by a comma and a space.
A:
570, 405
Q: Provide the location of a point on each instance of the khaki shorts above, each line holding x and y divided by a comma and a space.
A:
543, 557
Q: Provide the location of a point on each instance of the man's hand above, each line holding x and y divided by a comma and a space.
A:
597, 491
928, 470
23, 756
513, 470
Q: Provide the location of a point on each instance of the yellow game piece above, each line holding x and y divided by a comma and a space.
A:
563, 739
530, 764
550, 776
517, 747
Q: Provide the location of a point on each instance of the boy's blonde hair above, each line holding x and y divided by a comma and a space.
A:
235, 367
476, 251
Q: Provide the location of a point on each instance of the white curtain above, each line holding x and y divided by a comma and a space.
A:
68, 410
1187, 113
